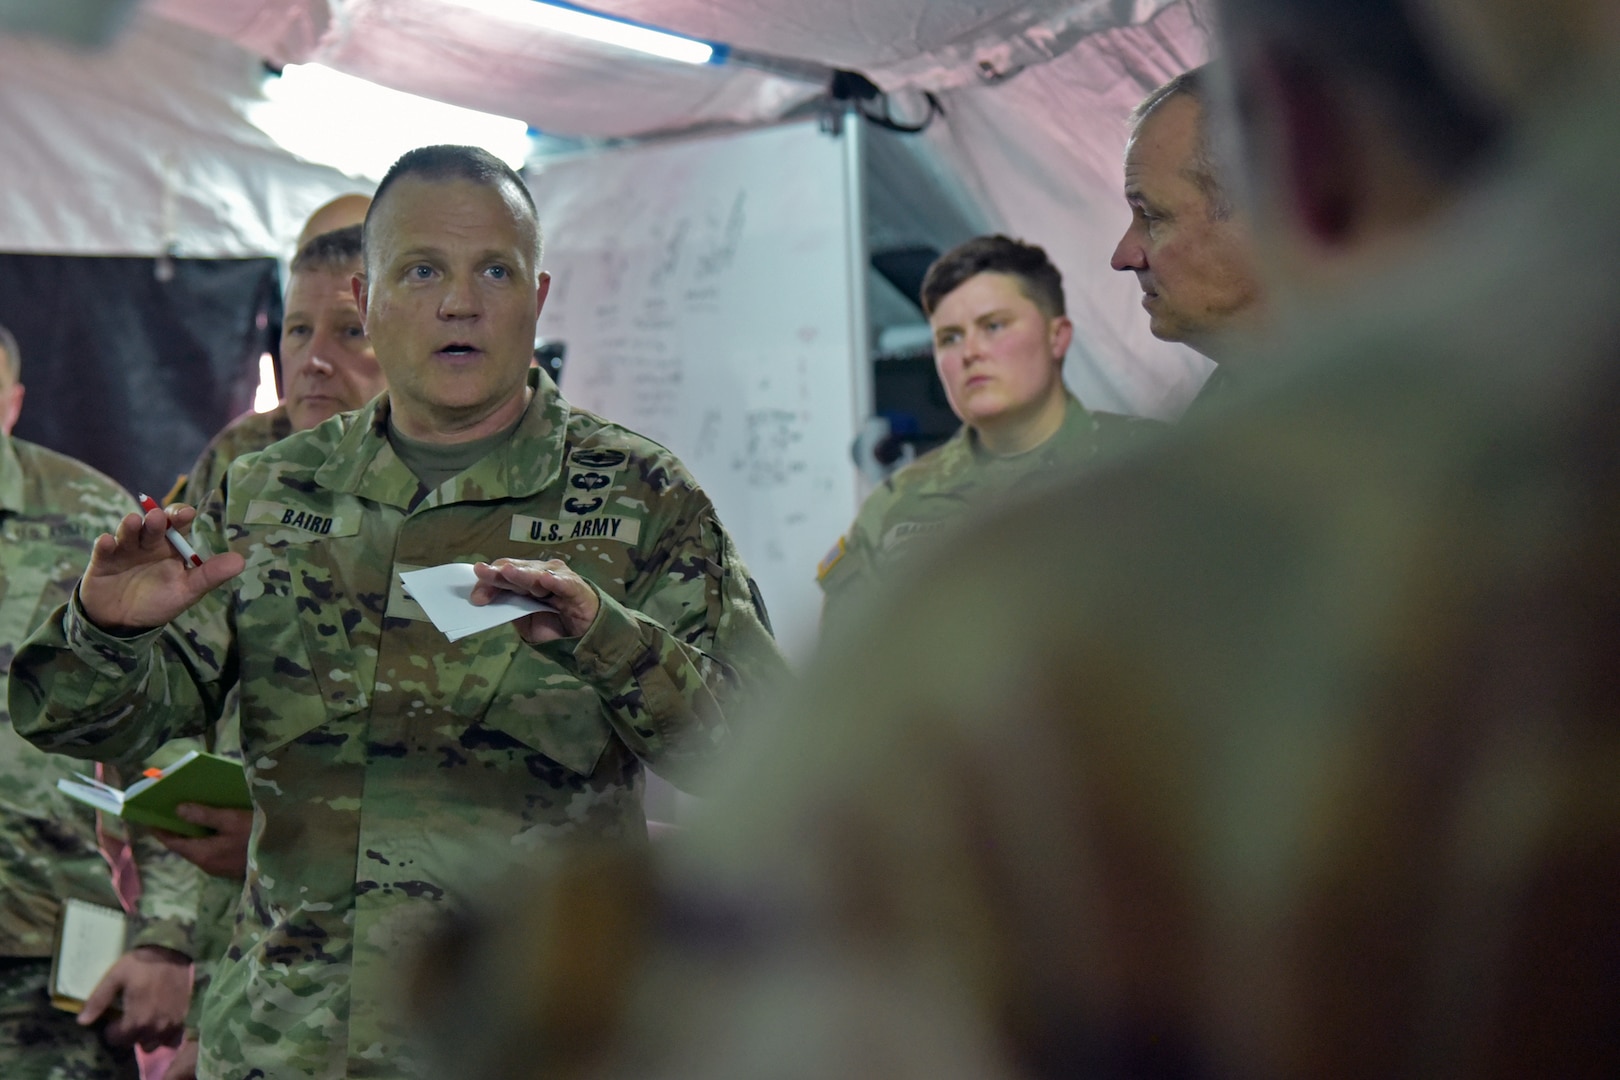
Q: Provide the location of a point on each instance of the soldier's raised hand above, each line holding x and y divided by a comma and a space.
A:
136, 580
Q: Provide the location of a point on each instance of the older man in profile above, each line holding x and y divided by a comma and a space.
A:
393, 768
1189, 243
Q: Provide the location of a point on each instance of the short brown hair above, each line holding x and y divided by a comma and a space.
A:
336, 250
1037, 277
451, 162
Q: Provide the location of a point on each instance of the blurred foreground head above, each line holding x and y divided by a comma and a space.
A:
1284, 750
1357, 131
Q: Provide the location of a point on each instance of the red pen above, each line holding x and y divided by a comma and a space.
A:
179, 542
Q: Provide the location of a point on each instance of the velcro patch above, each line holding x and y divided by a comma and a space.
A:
400, 603
262, 512
830, 560
907, 531
625, 530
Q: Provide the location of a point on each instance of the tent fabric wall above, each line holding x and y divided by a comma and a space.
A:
146, 147
132, 364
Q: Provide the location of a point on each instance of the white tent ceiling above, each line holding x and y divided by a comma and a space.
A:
148, 145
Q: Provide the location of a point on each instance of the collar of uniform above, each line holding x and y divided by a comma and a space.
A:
11, 477
364, 463
1077, 427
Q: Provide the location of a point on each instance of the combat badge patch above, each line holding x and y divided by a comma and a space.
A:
830, 560
626, 530
598, 459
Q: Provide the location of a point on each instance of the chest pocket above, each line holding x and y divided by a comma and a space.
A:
546, 708
298, 618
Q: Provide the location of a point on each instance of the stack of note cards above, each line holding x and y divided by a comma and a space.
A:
445, 594
202, 778
89, 940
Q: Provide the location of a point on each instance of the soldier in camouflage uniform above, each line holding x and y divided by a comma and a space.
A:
329, 368
325, 357
996, 307
394, 770
51, 508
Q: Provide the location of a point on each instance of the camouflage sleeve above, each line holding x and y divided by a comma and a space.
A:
675, 673
166, 914
80, 691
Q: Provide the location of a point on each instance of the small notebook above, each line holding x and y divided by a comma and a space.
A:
89, 941
198, 777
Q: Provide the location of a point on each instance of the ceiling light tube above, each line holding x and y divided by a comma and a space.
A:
566, 18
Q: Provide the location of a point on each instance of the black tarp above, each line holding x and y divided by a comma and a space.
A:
132, 364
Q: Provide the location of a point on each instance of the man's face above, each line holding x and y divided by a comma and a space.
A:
998, 355
325, 357
11, 396
450, 301
1197, 275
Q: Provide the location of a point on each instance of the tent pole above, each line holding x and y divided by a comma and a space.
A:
853, 132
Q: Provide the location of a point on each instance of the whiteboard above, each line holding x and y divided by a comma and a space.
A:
704, 292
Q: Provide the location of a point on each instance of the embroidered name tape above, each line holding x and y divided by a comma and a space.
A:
260, 512
626, 530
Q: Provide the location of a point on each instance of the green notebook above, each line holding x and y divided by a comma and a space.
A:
196, 778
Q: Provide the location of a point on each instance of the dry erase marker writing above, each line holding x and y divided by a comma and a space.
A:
149, 504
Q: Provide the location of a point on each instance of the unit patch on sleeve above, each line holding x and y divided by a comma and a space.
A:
830, 560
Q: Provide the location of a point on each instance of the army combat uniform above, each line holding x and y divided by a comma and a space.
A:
51, 510
216, 911
394, 771
245, 434
927, 496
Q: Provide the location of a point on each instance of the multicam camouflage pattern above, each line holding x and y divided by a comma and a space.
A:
244, 435
51, 510
393, 770
38, 1042
926, 497
216, 911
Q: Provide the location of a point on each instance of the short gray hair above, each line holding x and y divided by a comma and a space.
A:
1202, 170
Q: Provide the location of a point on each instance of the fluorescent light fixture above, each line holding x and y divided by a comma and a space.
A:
265, 397
578, 22
360, 128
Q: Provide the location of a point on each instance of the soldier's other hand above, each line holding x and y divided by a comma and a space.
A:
184, 1064
155, 985
550, 580
137, 581
224, 854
